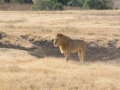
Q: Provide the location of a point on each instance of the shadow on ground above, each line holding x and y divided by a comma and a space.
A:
43, 49
47, 49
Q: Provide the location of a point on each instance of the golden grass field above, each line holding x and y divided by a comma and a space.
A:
22, 70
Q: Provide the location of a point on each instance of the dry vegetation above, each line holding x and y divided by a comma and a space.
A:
56, 74
21, 70
15, 7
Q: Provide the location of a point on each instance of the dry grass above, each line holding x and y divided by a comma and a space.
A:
80, 22
21, 71
15, 7
56, 74
88, 25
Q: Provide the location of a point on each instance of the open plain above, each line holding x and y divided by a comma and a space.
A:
29, 60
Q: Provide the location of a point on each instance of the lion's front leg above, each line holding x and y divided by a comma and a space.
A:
67, 55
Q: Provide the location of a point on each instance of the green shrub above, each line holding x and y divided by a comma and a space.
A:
97, 4
64, 2
28, 1
40, 5
59, 6
54, 5
18, 1
47, 5
22, 1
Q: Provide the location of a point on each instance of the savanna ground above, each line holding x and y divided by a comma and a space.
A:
29, 61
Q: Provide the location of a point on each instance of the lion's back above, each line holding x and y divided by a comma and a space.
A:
77, 44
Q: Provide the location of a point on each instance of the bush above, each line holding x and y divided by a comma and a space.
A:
7, 1
28, 1
76, 3
18, 1
39, 4
97, 4
22, 1
47, 5
64, 2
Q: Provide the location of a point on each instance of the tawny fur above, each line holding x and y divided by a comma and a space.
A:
68, 46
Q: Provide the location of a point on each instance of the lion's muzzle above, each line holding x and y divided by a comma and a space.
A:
55, 43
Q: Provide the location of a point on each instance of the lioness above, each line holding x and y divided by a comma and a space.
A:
67, 46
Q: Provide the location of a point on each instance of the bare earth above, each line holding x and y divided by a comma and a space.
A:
28, 56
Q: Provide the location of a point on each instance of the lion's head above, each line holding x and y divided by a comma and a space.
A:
61, 40
58, 40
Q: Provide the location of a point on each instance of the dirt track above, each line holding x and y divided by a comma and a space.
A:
44, 48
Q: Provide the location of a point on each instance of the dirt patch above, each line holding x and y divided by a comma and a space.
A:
14, 41
96, 50
93, 53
